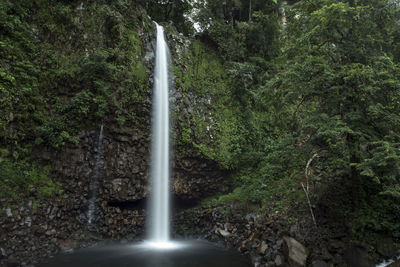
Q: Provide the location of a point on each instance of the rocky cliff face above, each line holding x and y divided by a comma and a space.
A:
35, 230
32, 230
196, 178
195, 175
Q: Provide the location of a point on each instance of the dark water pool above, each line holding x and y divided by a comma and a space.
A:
193, 253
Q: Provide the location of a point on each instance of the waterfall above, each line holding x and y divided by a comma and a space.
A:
94, 185
159, 200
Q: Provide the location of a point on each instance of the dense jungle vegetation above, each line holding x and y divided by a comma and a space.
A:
313, 100
307, 93
61, 73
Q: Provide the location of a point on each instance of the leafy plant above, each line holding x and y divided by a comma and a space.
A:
24, 178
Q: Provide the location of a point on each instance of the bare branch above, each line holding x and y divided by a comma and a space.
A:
307, 173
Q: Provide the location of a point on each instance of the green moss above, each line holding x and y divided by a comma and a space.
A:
18, 178
205, 73
214, 126
65, 67
68, 70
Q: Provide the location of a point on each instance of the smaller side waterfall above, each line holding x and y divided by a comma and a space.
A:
94, 184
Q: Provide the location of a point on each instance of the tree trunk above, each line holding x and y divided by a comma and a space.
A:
356, 190
250, 11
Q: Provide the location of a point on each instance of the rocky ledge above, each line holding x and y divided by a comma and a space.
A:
270, 240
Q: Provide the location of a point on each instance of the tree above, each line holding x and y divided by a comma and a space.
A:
170, 10
240, 28
342, 77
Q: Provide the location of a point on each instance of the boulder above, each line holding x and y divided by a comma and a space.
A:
251, 217
278, 260
67, 245
262, 247
297, 253
8, 212
223, 232
3, 253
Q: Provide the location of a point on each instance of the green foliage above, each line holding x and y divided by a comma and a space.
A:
64, 67
380, 163
73, 68
20, 102
240, 28
175, 11
216, 135
343, 82
326, 84
229, 41
205, 72
262, 38
274, 177
376, 219
354, 88
21, 178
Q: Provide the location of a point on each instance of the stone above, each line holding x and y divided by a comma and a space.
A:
123, 138
256, 260
224, 233
135, 169
255, 244
117, 185
3, 253
293, 230
296, 251
28, 221
53, 213
278, 260
278, 244
262, 247
8, 212
51, 232
319, 263
67, 245
251, 217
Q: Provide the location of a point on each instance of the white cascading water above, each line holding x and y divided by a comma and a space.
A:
160, 196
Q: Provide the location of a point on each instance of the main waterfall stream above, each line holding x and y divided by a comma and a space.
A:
158, 250
160, 207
